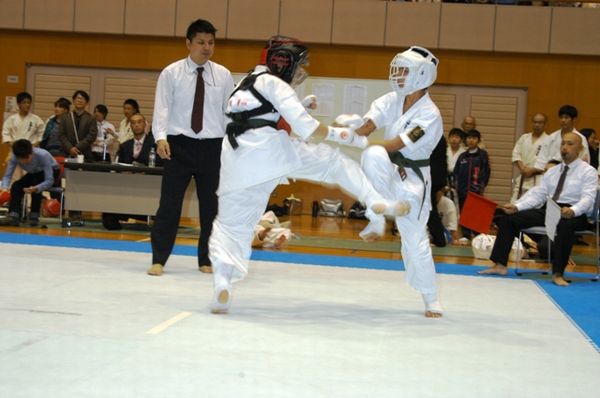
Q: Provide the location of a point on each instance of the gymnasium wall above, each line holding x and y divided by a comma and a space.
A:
551, 80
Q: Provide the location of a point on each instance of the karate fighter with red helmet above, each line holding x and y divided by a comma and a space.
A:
257, 156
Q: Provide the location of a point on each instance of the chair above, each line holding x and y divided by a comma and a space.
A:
60, 190
595, 218
52, 190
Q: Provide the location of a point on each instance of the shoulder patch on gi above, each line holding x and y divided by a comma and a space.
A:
415, 134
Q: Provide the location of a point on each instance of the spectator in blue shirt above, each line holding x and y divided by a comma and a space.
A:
42, 173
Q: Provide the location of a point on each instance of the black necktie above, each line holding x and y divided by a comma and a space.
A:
561, 183
198, 109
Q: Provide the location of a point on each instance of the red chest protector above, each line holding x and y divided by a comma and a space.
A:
283, 125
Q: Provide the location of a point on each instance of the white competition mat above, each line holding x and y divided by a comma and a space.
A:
91, 323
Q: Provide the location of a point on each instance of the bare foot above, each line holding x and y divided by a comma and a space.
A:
495, 270
434, 309
559, 280
431, 314
280, 242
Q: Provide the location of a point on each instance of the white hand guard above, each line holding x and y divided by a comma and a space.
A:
343, 135
310, 102
352, 121
359, 141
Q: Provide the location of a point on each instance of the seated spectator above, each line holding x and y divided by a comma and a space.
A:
42, 173
135, 150
550, 154
448, 214
101, 147
525, 154
592, 140
77, 130
130, 108
23, 124
471, 174
270, 233
50, 139
572, 186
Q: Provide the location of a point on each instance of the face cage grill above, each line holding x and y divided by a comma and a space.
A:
399, 75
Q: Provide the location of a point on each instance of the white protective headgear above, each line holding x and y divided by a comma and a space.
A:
413, 70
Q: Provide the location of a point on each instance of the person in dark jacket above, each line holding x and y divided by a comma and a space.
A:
471, 173
439, 176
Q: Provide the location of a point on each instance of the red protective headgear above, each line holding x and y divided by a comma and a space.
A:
284, 56
51, 208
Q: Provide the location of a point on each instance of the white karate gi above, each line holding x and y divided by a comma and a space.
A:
265, 157
16, 127
386, 111
452, 157
527, 151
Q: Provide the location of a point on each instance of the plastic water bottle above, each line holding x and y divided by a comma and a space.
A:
152, 158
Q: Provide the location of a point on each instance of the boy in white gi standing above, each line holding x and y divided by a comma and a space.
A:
400, 167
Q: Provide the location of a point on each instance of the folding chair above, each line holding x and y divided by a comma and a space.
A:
594, 219
52, 190
58, 190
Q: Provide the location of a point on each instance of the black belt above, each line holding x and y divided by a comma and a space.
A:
239, 127
415, 165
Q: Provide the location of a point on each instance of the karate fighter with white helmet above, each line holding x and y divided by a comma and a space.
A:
399, 169
257, 156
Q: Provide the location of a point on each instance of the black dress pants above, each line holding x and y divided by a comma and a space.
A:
200, 159
17, 194
434, 223
510, 225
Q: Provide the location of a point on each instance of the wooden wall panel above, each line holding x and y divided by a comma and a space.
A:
117, 89
50, 87
95, 16
214, 11
309, 20
359, 22
150, 17
12, 14
551, 80
412, 24
467, 26
575, 31
252, 20
52, 15
523, 29
496, 120
446, 103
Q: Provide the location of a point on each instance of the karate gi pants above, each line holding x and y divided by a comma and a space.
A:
240, 210
415, 249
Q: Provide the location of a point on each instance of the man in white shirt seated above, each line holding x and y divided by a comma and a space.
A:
572, 185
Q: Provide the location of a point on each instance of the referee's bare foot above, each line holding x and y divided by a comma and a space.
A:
559, 280
495, 270
155, 270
